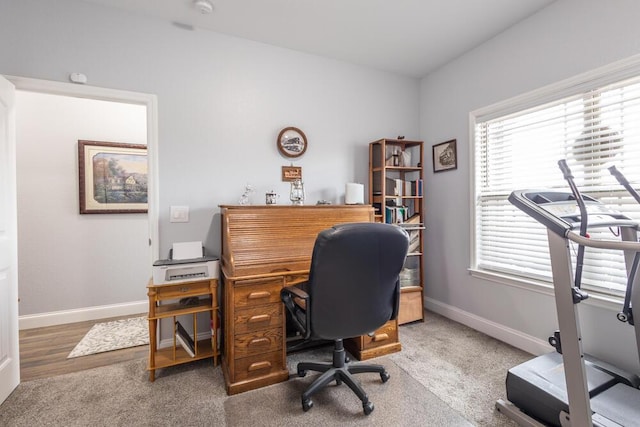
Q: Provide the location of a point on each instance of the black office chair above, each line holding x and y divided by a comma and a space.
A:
353, 289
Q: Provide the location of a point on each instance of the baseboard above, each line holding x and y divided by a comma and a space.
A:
53, 318
500, 332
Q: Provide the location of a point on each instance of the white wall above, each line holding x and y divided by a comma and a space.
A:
67, 260
221, 103
567, 38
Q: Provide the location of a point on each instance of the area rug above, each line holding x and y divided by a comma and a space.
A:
113, 335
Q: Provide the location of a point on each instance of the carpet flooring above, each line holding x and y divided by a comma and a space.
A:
446, 375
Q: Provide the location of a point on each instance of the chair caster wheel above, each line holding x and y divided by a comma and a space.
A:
367, 407
338, 381
302, 373
384, 376
307, 404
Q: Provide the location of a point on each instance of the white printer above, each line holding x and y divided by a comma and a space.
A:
186, 263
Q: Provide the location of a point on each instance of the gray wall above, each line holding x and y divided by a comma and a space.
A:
221, 101
66, 260
565, 39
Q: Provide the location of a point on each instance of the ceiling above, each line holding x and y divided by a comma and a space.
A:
410, 37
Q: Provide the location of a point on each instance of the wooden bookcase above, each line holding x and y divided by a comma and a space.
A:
164, 302
396, 188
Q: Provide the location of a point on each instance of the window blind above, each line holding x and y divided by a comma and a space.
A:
591, 129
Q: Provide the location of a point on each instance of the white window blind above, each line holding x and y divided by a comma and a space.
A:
591, 129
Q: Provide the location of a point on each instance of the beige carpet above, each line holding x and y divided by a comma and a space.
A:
400, 401
193, 395
446, 375
463, 367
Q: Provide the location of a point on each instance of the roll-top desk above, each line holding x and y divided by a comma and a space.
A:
265, 248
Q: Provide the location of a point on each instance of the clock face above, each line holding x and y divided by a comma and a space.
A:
292, 142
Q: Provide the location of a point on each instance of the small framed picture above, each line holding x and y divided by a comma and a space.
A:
445, 156
292, 142
291, 173
113, 177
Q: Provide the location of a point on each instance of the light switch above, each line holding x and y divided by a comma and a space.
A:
179, 214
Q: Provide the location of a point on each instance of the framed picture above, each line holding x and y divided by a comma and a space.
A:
113, 177
291, 173
292, 142
445, 156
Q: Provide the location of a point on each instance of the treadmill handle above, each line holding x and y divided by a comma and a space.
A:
623, 181
568, 176
624, 245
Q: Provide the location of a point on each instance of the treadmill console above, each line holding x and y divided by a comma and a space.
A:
559, 211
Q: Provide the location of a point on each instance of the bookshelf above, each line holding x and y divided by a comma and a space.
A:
396, 188
184, 299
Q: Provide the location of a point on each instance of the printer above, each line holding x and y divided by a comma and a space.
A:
186, 263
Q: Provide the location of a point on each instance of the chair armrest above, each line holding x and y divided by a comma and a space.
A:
396, 303
287, 295
296, 291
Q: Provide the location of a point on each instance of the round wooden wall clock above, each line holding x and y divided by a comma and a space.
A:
292, 142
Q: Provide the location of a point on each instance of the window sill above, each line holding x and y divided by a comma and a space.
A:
607, 302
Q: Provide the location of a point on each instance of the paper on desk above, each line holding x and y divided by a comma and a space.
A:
187, 250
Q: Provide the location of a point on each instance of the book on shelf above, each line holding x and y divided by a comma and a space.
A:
398, 187
416, 187
414, 240
396, 214
185, 340
412, 223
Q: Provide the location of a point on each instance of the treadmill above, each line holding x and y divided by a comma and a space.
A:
568, 387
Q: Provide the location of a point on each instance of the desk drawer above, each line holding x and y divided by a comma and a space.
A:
251, 293
256, 318
258, 366
387, 334
258, 342
181, 290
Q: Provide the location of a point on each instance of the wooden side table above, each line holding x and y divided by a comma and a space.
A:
206, 293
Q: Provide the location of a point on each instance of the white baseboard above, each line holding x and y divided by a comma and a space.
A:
81, 314
500, 332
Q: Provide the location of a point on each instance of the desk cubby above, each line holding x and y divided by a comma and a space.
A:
164, 304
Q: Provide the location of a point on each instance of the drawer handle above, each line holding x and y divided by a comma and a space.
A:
259, 318
259, 341
259, 295
380, 337
259, 365
185, 289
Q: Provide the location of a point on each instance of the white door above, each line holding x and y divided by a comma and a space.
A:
9, 354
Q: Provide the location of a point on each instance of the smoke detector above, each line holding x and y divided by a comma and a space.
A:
203, 6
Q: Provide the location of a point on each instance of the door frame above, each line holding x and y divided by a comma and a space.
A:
115, 95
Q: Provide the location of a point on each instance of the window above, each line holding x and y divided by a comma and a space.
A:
592, 121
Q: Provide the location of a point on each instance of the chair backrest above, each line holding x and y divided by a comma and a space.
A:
353, 280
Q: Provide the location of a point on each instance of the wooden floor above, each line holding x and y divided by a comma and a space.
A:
44, 351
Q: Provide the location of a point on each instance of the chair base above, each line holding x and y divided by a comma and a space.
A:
339, 372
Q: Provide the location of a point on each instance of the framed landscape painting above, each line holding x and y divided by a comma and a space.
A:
112, 177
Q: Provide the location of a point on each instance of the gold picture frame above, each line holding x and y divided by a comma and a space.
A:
112, 177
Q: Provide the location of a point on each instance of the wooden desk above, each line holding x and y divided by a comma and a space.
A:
172, 293
265, 248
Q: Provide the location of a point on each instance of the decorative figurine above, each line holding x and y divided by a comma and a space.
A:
244, 199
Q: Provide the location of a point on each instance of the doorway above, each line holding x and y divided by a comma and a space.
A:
82, 278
